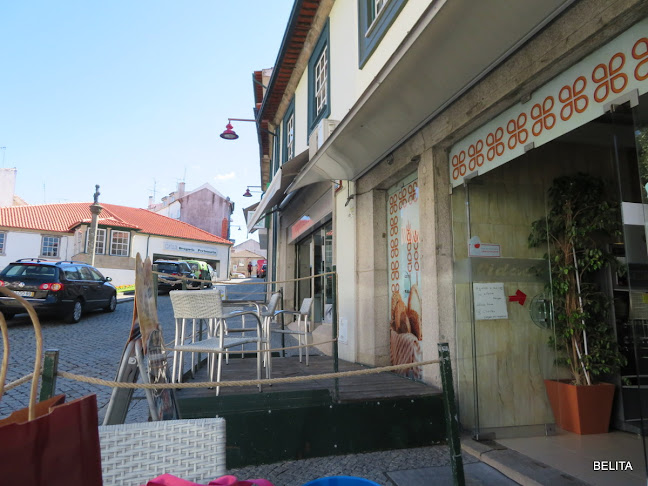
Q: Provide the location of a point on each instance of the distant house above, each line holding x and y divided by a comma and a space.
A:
60, 232
204, 207
251, 245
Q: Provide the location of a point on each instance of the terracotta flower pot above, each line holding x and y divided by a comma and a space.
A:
583, 409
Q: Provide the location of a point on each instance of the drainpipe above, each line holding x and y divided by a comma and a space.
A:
275, 237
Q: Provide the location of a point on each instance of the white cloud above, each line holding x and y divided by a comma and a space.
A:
224, 177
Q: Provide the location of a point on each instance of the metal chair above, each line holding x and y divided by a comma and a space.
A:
304, 325
207, 305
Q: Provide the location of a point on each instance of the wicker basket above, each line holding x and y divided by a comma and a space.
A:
132, 454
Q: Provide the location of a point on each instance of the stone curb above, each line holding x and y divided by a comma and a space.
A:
516, 466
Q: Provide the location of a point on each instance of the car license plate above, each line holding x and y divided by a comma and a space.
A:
24, 293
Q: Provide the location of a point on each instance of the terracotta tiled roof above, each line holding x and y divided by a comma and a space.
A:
66, 216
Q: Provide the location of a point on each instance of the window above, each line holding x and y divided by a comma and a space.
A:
375, 17
319, 82
50, 246
72, 273
289, 133
100, 243
119, 241
3, 239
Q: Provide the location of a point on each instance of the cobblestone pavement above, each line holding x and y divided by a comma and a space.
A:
372, 465
92, 347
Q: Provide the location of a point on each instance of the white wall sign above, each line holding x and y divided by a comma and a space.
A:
575, 97
490, 301
191, 248
478, 249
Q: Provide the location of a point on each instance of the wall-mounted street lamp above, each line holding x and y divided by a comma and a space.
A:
247, 192
230, 134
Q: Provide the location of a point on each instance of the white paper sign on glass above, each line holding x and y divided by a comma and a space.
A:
489, 301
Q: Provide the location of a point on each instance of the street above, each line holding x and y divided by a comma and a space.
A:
92, 347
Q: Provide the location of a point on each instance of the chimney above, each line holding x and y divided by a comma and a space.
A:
181, 189
7, 186
150, 204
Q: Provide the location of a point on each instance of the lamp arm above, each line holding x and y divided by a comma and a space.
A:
255, 121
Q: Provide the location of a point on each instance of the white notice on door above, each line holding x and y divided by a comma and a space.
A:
490, 301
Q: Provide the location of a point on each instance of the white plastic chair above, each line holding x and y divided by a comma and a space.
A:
304, 328
207, 304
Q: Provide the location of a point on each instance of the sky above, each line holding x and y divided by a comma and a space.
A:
133, 95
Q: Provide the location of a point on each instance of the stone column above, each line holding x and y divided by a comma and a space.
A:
95, 209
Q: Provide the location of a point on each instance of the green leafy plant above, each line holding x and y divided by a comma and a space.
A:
579, 225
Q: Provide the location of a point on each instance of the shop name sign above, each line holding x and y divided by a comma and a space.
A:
575, 97
202, 250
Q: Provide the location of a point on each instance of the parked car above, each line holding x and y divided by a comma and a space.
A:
172, 270
262, 273
203, 271
63, 288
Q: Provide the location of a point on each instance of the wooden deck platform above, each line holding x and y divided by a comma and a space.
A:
352, 388
289, 421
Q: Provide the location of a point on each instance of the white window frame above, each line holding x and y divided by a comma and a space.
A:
321, 82
53, 242
290, 137
99, 240
3, 242
124, 247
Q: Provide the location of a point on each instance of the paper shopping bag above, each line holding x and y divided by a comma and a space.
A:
58, 448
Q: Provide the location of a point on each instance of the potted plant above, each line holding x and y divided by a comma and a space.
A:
579, 226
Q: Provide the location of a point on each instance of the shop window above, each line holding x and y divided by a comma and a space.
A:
50, 246
319, 82
289, 133
3, 239
100, 243
374, 17
119, 243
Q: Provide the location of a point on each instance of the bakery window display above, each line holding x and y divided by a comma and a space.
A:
406, 332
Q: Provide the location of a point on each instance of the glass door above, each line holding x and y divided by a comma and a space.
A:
630, 280
504, 307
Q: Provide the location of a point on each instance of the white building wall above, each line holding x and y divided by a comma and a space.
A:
20, 244
343, 38
301, 114
344, 229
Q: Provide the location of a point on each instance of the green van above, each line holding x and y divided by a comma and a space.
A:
203, 271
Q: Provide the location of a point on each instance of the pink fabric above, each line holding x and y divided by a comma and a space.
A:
170, 480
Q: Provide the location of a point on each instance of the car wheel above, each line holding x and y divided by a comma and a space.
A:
74, 315
112, 304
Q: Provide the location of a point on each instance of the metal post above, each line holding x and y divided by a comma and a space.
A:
452, 424
155, 283
50, 368
334, 330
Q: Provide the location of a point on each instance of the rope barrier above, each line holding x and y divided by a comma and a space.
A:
238, 351
180, 277
270, 381
18, 382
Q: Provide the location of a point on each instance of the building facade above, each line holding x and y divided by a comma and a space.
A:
419, 141
204, 208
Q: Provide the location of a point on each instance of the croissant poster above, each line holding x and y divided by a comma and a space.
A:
404, 276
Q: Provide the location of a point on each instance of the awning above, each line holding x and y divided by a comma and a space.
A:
277, 189
454, 45
249, 212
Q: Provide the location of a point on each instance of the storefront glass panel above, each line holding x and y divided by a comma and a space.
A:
503, 303
315, 257
503, 359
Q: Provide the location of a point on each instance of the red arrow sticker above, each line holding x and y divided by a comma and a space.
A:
518, 297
